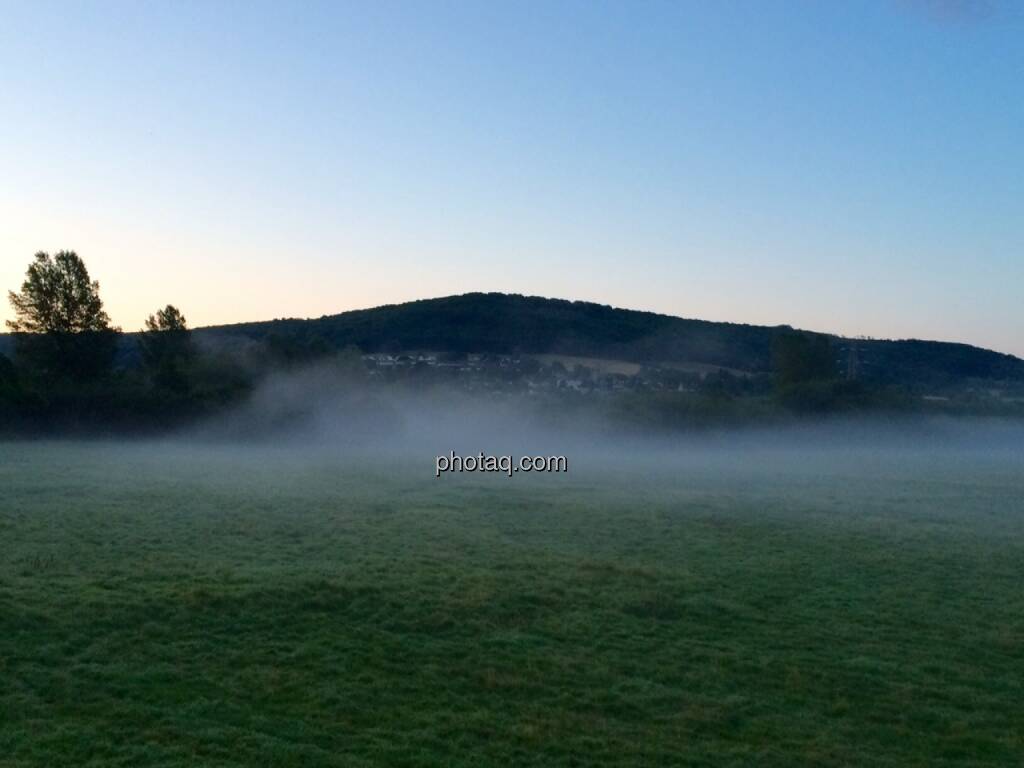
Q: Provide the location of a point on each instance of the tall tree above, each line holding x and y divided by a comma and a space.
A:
168, 319
60, 326
166, 346
58, 297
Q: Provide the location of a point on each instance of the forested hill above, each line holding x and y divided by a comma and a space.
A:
499, 323
502, 323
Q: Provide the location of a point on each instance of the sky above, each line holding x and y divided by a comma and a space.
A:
854, 167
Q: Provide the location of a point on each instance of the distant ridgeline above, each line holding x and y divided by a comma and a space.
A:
618, 367
495, 323
498, 323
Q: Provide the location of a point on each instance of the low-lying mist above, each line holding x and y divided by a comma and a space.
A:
316, 411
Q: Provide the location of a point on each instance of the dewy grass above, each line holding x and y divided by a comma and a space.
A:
167, 607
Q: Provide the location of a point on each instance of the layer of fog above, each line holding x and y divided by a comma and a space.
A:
318, 412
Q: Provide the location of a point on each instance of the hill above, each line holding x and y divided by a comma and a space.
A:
497, 323
504, 324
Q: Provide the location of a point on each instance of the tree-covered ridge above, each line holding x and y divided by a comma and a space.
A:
507, 323
496, 323
554, 355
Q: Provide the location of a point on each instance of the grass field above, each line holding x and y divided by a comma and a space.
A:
165, 607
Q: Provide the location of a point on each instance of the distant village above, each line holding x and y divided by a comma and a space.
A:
535, 374
563, 374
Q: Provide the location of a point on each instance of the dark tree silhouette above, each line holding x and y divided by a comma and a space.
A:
167, 319
166, 346
60, 328
58, 297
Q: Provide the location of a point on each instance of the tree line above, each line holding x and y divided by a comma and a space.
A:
73, 370
63, 374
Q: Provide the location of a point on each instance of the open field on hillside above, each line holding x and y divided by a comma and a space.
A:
171, 606
605, 366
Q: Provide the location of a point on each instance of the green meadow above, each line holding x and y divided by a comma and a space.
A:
168, 605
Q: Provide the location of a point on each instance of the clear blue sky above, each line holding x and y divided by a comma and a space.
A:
854, 167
